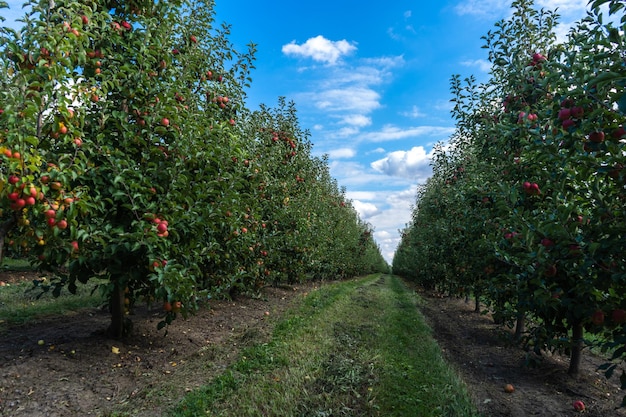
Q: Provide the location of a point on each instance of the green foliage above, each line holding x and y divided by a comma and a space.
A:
526, 206
127, 153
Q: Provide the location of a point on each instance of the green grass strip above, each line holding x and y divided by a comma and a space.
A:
19, 303
355, 348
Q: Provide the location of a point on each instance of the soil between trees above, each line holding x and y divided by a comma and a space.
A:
77, 372
485, 358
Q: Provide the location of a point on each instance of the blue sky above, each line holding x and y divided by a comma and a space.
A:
370, 81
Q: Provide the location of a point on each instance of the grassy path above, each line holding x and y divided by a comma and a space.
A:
355, 348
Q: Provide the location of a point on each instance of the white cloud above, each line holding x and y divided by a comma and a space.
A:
320, 49
481, 7
377, 150
414, 113
407, 14
341, 153
365, 210
411, 164
358, 120
389, 133
355, 98
482, 64
362, 195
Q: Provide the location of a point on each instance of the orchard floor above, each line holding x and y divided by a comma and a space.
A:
80, 372
487, 361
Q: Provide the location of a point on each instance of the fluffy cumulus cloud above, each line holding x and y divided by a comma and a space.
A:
411, 164
365, 210
320, 49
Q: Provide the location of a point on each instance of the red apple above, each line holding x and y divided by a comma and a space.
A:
596, 137
62, 224
85, 19
618, 316
577, 112
597, 317
579, 406
75, 246
564, 114
165, 122
13, 179
162, 228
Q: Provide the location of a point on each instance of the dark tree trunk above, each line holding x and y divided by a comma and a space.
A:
117, 328
520, 325
4, 230
477, 304
577, 347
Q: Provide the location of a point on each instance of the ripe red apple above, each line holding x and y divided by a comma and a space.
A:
577, 112
13, 179
30, 201
618, 316
244, 230
162, 228
126, 25
618, 133
14, 196
62, 224
547, 242
596, 137
19, 203
51, 221
165, 122
597, 317
564, 114
50, 214
193, 39
85, 19
567, 123
550, 271
75, 246
579, 406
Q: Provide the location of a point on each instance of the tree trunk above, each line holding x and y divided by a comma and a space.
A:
520, 325
477, 304
577, 347
4, 230
117, 328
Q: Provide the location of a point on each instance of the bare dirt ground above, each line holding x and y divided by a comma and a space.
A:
480, 351
79, 372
